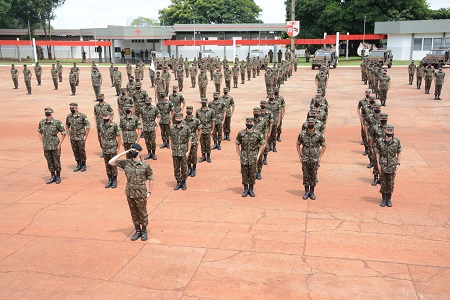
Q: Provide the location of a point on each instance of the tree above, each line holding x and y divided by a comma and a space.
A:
144, 22
46, 12
210, 12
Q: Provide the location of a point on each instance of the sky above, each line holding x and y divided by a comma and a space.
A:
75, 14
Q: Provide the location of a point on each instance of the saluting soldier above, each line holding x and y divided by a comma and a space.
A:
150, 118
166, 110
138, 173
15, 76
207, 119
180, 142
27, 78
249, 146
310, 148
99, 110
195, 129
59, 67
111, 140
78, 127
219, 110
48, 133
122, 100
54, 73
131, 128
38, 72
411, 70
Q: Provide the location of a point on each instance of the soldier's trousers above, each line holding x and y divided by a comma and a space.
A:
137, 109
217, 133
110, 170
249, 74
73, 88
211, 72
248, 173
202, 91
192, 158
235, 81
279, 126
179, 167
60, 76
254, 73
150, 140
186, 71
268, 88
78, 80
273, 135
79, 150
383, 95
180, 83
38, 79
138, 210
129, 75
112, 80
118, 88
309, 173
28, 85
437, 90
193, 81
96, 90
99, 135
165, 131
55, 83
427, 85
16, 82
205, 142
228, 84
418, 81
227, 124
411, 78
387, 183
258, 70
152, 80
364, 137
242, 78
217, 85
373, 160
363, 76
53, 158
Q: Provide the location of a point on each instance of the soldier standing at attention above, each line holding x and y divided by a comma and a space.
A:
219, 110
131, 87
78, 127
235, 71
207, 119
280, 56
193, 73
139, 98
27, 77
73, 81
217, 79
15, 76
152, 74
99, 110
117, 80
419, 74
48, 133
142, 69
388, 156
275, 108
249, 146
268, 78
242, 69
186, 67
321, 81
261, 125
177, 101
254, 67
180, 142
59, 67
137, 172
76, 70
385, 83
159, 86
110, 134
227, 75
166, 110
310, 148
228, 102
180, 77
150, 118
429, 73
54, 73
122, 100
439, 77
129, 69
38, 72
195, 129
267, 115
137, 73
97, 81
202, 83
129, 125
111, 74
249, 69
282, 102
411, 70
166, 80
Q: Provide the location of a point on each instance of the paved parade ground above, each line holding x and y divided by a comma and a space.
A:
72, 240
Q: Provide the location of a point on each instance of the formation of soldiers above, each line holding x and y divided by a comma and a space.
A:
377, 79
429, 73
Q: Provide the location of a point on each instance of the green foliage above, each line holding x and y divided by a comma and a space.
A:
143, 22
210, 12
442, 13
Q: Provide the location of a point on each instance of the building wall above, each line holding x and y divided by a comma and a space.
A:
400, 44
416, 46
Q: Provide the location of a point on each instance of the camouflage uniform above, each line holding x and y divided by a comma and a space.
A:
228, 102
54, 73
38, 72
268, 116
227, 75
429, 72
275, 108
250, 143
207, 118
318, 126
96, 82
99, 110
15, 76
235, 72
118, 81
59, 67
166, 80
159, 84
217, 80
177, 100
129, 69
249, 69
311, 143
439, 81
149, 115
73, 82
282, 102
419, 74
109, 134
129, 125
411, 70
242, 68
152, 74
165, 108
111, 74
27, 79
139, 100
180, 137
193, 74
261, 125
50, 139
186, 68
384, 87
194, 127
77, 125
122, 101
202, 84
131, 88
219, 108
268, 77
137, 74
180, 77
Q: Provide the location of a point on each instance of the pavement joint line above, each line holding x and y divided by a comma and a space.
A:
4, 258
413, 283
129, 260
194, 273
20, 199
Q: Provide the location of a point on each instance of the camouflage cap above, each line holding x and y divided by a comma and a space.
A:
175, 87
263, 102
368, 92
389, 127
73, 104
216, 93
148, 99
131, 77
136, 147
138, 84
128, 105
377, 105
100, 96
178, 115
189, 107
204, 99
163, 95
257, 108
248, 119
225, 89
276, 89
311, 120
384, 115
48, 109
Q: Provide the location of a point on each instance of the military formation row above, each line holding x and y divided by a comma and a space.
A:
430, 74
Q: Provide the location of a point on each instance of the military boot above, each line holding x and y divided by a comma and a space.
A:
78, 168
245, 193
278, 138
215, 145
154, 155
137, 234
142, 135
375, 180
250, 191
189, 170
183, 185
311, 193
144, 233
370, 165
274, 148
58, 177
114, 182
164, 145
306, 195
83, 166
258, 175
178, 186
203, 158
208, 157
149, 155
193, 172
228, 136
265, 159
108, 185
366, 151
383, 200
218, 145
388, 200
167, 144
52, 179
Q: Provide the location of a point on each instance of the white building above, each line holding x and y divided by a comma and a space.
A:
414, 39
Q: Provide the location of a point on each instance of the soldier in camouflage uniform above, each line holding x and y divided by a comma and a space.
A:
59, 67
310, 148
268, 78
15, 76
111, 74
166, 80
186, 67
388, 155
419, 74
76, 70
54, 73
99, 109
268, 116
217, 79
137, 73
73, 81
78, 127
97, 80
129, 69
27, 78
177, 101
193, 73
411, 70
235, 73
363, 72
439, 77
131, 87
227, 76
366, 111
254, 64
282, 102
375, 134
207, 119
275, 108
202, 83
180, 77
150, 118
137, 172
122, 100
110, 134
372, 120
166, 110
318, 125
195, 129
131, 128
429, 73
38, 72
249, 69
321, 81
219, 109
261, 125
249, 146
48, 133
242, 69
360, 110
180, 142
228, 102
159, 84
152, 74
385, 83
139, 98
117, 80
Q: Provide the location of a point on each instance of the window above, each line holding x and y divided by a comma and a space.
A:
437, 43
117, 49
417, 45
427, 42
447, 42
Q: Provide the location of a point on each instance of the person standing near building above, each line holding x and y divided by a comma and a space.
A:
48, 134
133, 56
249, 147
385, 84
388, 152
38, 72
27, 78
207, 119
15, 76
138, 173
180, 143
411, 70
439, 77
166, 110
111, 140
310, 148
78, 127
150, 118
